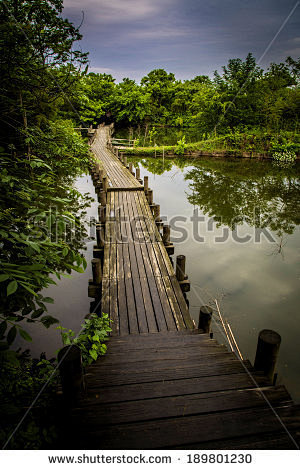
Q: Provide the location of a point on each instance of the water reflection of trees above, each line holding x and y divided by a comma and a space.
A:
157, 166
243, 190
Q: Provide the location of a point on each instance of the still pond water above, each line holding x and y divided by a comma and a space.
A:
253, 272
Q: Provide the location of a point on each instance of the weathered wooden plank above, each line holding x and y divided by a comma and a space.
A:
119, 377
122, 307
194, 353
113, 308
183, 431
174, 304
171, 324
182, 303
160, 362
169, 388
105, 296
151, 320
131, 307
180, 406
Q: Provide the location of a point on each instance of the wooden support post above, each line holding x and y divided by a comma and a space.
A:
98, 187
182, 278
71, 374
150, 197
156, 213
101, 173
267, 352
138, 174
97, 271
146, 184
102, 197
122, 157
101, 214
104, 183
130, 167
98, 250
117, 152
166, 234
205, 316
180, 267
100, 233
166, 240
125, 160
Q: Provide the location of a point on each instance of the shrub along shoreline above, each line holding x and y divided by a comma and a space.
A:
235, 145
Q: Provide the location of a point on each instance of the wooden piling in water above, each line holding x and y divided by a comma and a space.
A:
100, 235
102, 198
146, 184
166, 240
138, 174
97, 271
180, 267
150, 197
101, 213
205, 317
267, 352
182, 278
71, 373
104, 183
166, 235
156, 213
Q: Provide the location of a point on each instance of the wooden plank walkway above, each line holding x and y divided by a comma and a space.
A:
162, 384
118, 176
179, 390
139, 288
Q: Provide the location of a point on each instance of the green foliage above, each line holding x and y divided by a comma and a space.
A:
242, 97
22, 378
260, 195
285, 157
38, 63
40, 229
179, 150
91, 339
152, 134
41, 234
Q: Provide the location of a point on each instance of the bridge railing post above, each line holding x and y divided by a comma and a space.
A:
146, 184
104, 184
205, 317
71, 372
267, 352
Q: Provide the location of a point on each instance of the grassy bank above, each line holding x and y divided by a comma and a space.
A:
247, 145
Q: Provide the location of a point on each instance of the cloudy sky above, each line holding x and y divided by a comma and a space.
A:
129, 38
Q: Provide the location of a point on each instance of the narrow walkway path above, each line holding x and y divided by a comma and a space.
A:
163, 384
139, 288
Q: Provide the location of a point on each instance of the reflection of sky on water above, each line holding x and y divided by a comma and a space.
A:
261, 286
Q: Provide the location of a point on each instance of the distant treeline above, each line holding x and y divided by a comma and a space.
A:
242, 97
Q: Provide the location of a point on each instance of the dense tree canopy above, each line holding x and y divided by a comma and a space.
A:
40, 154
242, 97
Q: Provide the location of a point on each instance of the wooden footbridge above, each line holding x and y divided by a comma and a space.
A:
163, 383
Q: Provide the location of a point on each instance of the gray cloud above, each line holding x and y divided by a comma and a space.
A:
131, 37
